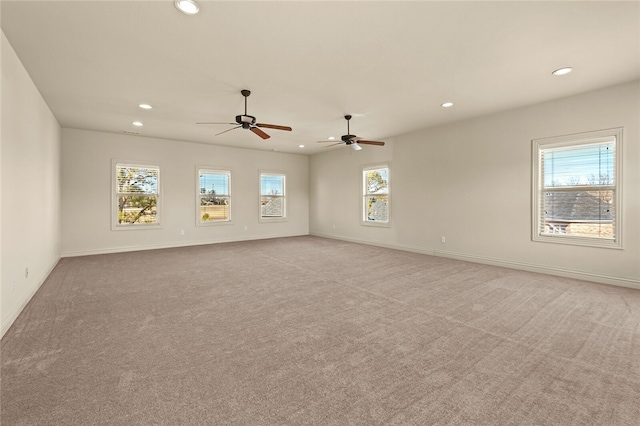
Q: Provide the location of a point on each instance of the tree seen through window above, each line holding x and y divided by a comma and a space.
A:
137, 194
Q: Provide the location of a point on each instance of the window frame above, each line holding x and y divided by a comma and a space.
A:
364, 194
538, 189
218, 171
267, 219
115, 225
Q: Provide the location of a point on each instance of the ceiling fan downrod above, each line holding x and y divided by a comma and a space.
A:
348, 137
246, 94
348, 117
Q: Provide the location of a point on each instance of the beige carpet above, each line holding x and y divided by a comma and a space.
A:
312, 331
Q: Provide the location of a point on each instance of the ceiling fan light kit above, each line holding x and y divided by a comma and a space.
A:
246, 120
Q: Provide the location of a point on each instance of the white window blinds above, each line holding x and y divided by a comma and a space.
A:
214, 196
272, 196
577, 193
137, 194
375, 184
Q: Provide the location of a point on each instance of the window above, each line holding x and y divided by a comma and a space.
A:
272, 196
214, 196
375, 193
576, 194
137, 196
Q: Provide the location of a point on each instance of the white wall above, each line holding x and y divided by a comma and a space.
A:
471, 182
30, 200
86, 192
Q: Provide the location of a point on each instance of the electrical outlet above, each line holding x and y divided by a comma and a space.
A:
443, 240
26, 272
246, 228
13, 286
334, 227
182, 232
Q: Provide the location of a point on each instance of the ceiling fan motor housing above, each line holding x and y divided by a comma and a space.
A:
348, 139
245, 120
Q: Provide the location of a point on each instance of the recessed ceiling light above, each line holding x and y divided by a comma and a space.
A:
447, 105
145, 106
188, 7
562, 71
137, 123
300, 146
331, 138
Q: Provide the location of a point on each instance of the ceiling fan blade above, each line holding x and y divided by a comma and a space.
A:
228, 130
230, 124
333, 144
274, 126
365, 142
332, 141
260, 133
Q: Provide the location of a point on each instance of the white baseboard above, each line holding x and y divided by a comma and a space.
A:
550, 270
376, 243
111, 250
8, 321
568, 273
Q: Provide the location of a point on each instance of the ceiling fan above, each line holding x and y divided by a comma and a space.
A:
249, 122
352, 140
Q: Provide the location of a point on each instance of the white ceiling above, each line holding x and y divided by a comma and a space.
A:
389, 64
